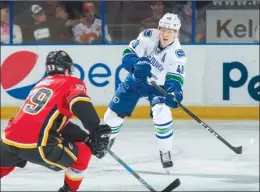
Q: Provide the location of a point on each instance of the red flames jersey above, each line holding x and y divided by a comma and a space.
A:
45, 112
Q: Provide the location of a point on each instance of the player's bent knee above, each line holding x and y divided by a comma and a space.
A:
83, 158
112, 119
161, 113
157, 100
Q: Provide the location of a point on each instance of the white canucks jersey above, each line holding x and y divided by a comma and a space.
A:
169, 61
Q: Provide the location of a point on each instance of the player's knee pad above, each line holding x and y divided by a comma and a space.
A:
157, 100
114, 121
83, 158
161, 113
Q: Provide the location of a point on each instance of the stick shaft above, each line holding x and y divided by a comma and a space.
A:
130, 170
235, 149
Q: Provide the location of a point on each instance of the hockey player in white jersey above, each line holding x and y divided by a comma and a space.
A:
157, 52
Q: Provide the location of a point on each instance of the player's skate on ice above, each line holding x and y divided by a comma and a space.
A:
157, 52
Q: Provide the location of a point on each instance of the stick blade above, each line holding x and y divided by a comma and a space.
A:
238, 150
176, 183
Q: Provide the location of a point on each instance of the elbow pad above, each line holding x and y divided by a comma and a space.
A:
87, 114
128, 61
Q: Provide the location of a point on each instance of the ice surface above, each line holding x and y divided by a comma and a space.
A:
202, 162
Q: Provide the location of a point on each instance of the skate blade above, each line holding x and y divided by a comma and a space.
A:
168, 170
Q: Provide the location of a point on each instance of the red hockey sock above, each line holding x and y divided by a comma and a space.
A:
75, 174
5, 171
72, 182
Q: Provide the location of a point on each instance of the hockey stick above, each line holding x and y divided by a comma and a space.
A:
237, 150
169, 188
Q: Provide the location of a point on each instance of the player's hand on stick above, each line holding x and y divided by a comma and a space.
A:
172, 97
98, 140
142, 69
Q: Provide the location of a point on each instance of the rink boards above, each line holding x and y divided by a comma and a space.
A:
222, 81
142, 112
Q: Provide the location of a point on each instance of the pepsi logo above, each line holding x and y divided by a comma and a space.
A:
17, 67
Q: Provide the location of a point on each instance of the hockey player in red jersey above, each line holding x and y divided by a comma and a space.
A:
36, 133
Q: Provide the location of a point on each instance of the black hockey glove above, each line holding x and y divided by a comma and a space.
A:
98, 140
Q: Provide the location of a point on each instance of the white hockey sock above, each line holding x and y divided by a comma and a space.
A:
115, 131
114, 121
164, 135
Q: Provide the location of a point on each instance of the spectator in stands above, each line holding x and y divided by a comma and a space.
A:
45, 29
50, 7
157, 13
62, 14
5, 27
186, 28
89, 30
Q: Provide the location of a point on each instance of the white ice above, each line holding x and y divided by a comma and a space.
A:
202, 162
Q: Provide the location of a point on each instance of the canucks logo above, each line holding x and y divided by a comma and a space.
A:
180, 53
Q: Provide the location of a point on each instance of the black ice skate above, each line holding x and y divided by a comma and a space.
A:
65, 188
166, 161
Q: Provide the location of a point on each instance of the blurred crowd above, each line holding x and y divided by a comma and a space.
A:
52, 22
74, 22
